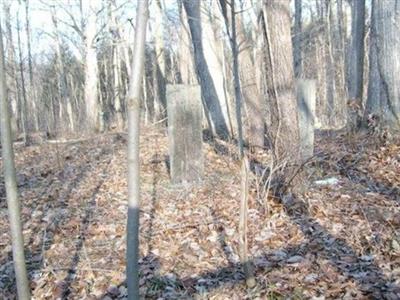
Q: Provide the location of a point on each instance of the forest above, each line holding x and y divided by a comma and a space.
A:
200, 149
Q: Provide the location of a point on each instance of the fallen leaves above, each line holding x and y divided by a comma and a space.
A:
335, 241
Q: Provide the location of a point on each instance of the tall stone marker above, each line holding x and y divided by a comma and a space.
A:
306, 93
185, 113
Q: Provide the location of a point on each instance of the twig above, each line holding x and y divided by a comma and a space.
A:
52, 270
160, 121
269, 180
296, 172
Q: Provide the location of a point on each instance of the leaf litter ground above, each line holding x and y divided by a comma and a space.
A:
332, 241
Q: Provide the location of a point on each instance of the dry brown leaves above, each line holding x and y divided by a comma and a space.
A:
338, 241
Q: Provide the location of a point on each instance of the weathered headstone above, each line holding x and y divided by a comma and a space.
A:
185, 137
306, 93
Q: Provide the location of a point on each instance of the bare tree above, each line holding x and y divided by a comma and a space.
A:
330, 60
208, 91
24, 100
64, 92
235, 55
214, 53
160, 66
13, 83
187, 73
356, 59
32, 92
91, 69
117, 62
297, 54
284, 133
340, 67
253, 100
132, 254
28, 40
13, 203
385, 61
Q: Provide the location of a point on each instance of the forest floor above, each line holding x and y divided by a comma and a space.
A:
340, 239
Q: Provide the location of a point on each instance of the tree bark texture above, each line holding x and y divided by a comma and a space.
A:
385, 56
160, 68
297, 51
24, 99
284, 132
91, 70
356, 55
12, 82
64, 92
132, 252
14, 207
213, 47
208, 90
253, 100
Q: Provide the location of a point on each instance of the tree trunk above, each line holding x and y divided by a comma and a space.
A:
10, 179
330, 67
208, 91
64, 92
32, 91
132, 254
187, 73
91, 70
117, 57
24, 101
13, 84
157, 107
284, 131
118, 96
384, 30
356, 64
235, 66
373, 104
213, 52
297, 54
160, 67
253, 99
356, 55
340, 73
28, 40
